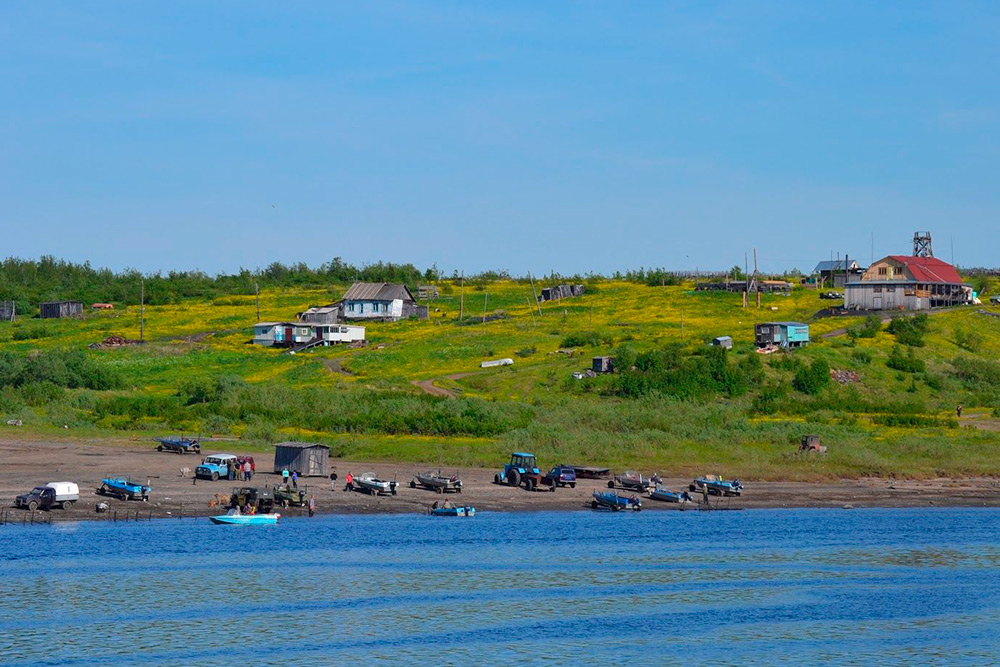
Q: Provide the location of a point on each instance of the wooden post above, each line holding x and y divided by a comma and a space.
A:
534, 294
256, 289
486, 298
461, 301
142, 309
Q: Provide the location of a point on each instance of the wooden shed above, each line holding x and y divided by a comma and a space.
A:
55, 309
308, 458
603, 364
8, 309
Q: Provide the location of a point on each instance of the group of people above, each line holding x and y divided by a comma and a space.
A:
242, 472
293, 476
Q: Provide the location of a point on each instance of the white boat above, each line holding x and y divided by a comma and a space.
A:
371, 484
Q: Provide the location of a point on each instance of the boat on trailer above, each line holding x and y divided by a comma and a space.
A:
178, 444
371, 484
435, 481
124, 489
668, 496
614, 502
236, 518
715, 485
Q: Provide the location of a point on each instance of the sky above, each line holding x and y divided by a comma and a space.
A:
517, 135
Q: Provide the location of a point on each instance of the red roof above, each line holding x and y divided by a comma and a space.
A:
929, 269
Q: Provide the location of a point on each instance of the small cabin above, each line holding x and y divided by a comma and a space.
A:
339, 333
320, 315
603, 364
781, 334
725, 342
8, 309
57, 309
307, 458
278, 333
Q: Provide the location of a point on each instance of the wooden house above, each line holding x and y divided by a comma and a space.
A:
381, 302
8, 310
781, 334
561, 292
307, 458
320, 315
57, 309
331, 334
838, 272
902, 282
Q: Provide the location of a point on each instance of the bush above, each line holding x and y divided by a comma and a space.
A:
867, 329
65, 368
969, 339
669, 372
526, 352
909, 330
32, 333
863, 356
585, 339
906, 362
812, 379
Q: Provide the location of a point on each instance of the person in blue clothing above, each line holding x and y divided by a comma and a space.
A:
295, 479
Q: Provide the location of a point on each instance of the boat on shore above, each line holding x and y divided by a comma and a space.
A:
437, 482
372, 485
614, 502
666, 495
124, 489
236, 518
715, 485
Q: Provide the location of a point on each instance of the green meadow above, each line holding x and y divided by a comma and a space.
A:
677, 406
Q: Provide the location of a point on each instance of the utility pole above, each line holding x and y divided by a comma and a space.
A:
256, 289
461, 298
142, 310
534, 294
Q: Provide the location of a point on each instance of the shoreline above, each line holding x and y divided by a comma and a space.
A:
32, 462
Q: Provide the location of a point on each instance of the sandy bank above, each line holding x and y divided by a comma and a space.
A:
24, 464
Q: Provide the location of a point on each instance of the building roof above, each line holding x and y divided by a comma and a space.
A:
928, 269
784, 324
321, 309
300, 445
835, 265
377, 292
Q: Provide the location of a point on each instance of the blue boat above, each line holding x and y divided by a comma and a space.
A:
715, 485
668, 496
178, 444
234, 518
453, 511
612, 501
124, 489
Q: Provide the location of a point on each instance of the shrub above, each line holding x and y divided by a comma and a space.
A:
812, 379
867, 329
585, 339
32, 333
906, 362
910, 330
65, 368
669, 372
969, 339
526, 352
863, 356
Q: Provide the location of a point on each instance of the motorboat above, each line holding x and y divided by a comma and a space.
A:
614, 502
666, 495
454, 510
124, 489
371, 484
717, 486
236, 518
630, 480
437, 482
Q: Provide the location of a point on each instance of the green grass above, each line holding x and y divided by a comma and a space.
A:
374, 410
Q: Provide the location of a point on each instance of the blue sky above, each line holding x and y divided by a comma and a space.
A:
571, 137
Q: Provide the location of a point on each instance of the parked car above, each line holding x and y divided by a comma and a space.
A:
561, 475
995, 300
53, 494
216, 466
831, 295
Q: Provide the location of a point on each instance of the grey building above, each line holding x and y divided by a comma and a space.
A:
838, 272
56, 309
380, 301
8, 309
308, 458
723, 341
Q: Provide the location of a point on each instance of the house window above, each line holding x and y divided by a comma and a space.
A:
877, 290
350, 307
890, 288
882, 270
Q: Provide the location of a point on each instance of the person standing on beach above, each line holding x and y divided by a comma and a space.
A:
350, 482
295, 479
284, 475
247, 470
312, 505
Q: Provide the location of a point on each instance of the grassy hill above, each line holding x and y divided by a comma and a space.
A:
683, 410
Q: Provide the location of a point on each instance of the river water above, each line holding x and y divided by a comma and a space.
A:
749, 588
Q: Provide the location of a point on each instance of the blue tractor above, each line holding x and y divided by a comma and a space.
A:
521, 470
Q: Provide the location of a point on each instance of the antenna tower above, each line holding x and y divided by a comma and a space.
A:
922, 244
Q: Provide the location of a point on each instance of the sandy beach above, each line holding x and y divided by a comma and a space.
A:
30, 462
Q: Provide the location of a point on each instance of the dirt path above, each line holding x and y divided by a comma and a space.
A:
434, 390
31, 462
